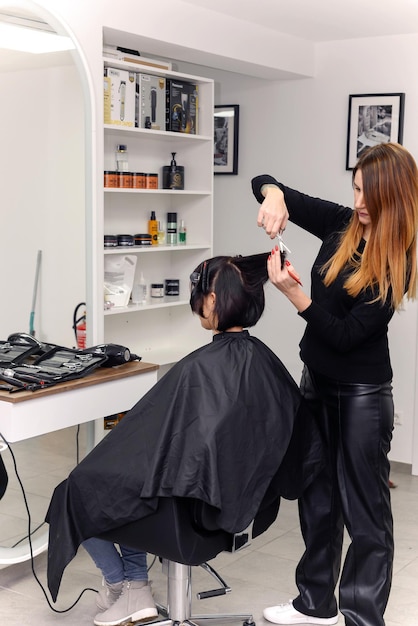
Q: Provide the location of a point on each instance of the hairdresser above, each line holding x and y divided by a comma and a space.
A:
366, 264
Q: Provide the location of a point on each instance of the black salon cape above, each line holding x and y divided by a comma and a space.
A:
216, 428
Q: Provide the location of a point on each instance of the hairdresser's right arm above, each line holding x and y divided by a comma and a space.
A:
273, 213
280, 204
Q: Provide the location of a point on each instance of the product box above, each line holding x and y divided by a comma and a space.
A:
182, 106
107, 84
133, 56
150, 102
110, 421
122, 96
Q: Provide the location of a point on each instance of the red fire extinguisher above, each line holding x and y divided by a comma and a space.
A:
79, 326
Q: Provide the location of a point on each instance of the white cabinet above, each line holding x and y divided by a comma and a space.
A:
163, 329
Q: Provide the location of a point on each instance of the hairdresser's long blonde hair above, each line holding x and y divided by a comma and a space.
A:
388, 264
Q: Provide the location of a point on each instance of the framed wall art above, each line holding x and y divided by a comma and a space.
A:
225, 140
373, 119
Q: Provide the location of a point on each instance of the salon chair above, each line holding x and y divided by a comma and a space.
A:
183, 533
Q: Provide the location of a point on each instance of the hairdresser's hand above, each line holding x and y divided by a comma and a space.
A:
287, 280
273, 213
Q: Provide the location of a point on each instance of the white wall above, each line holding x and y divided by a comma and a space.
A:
296, 129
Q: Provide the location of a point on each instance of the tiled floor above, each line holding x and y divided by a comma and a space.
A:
261, 575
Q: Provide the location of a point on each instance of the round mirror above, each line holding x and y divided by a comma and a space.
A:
42, 160
43, 113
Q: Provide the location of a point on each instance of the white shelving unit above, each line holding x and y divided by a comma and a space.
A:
161, 330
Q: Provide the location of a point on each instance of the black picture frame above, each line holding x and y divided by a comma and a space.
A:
225, 139
373, 118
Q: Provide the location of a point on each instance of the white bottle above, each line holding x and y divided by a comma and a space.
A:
139, 291
122, 158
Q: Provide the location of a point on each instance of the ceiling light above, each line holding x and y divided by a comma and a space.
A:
36, 41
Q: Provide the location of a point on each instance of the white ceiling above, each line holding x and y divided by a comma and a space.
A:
314, 20
323, 20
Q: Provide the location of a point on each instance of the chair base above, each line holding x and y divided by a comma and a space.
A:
221, 618
179, 599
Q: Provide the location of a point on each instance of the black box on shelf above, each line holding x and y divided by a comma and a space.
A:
182, 99
150, 101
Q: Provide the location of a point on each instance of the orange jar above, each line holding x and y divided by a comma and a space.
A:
125, 180
110, 179
138, 180
151, 181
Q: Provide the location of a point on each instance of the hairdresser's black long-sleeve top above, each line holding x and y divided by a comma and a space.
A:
345, 337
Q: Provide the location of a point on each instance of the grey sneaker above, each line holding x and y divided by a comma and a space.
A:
108, 594
134, 603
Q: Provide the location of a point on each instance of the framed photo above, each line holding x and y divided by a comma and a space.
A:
372, 119
225, 140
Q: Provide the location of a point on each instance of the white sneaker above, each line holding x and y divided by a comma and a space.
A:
287, 614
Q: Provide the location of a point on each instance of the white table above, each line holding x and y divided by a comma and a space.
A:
29, 414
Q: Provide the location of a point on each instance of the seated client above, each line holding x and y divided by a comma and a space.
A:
226, 426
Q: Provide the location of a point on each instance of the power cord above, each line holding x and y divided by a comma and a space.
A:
30, 532
29, 537
77, 440
77, 444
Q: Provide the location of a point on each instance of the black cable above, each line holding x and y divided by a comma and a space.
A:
153, 561
77, 320
77, 444
26, 536
30, 540
77, 461
30, 532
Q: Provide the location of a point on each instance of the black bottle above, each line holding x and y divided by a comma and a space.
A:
173, 175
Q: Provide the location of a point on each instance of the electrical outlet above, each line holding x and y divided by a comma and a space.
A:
398, 419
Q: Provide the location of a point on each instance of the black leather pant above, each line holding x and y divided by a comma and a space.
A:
356, 421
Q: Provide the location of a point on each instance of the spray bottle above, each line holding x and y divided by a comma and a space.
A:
139, 291
153, 229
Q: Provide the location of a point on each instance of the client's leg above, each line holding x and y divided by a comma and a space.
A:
135, 601
108, 560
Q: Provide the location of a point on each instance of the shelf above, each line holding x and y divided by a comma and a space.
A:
160, 303
162, 135
136, 67
162, 330
154, 249
170, 192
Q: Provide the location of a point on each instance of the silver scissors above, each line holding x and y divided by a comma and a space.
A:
283, 247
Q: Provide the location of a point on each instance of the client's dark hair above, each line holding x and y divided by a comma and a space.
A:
239, 286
